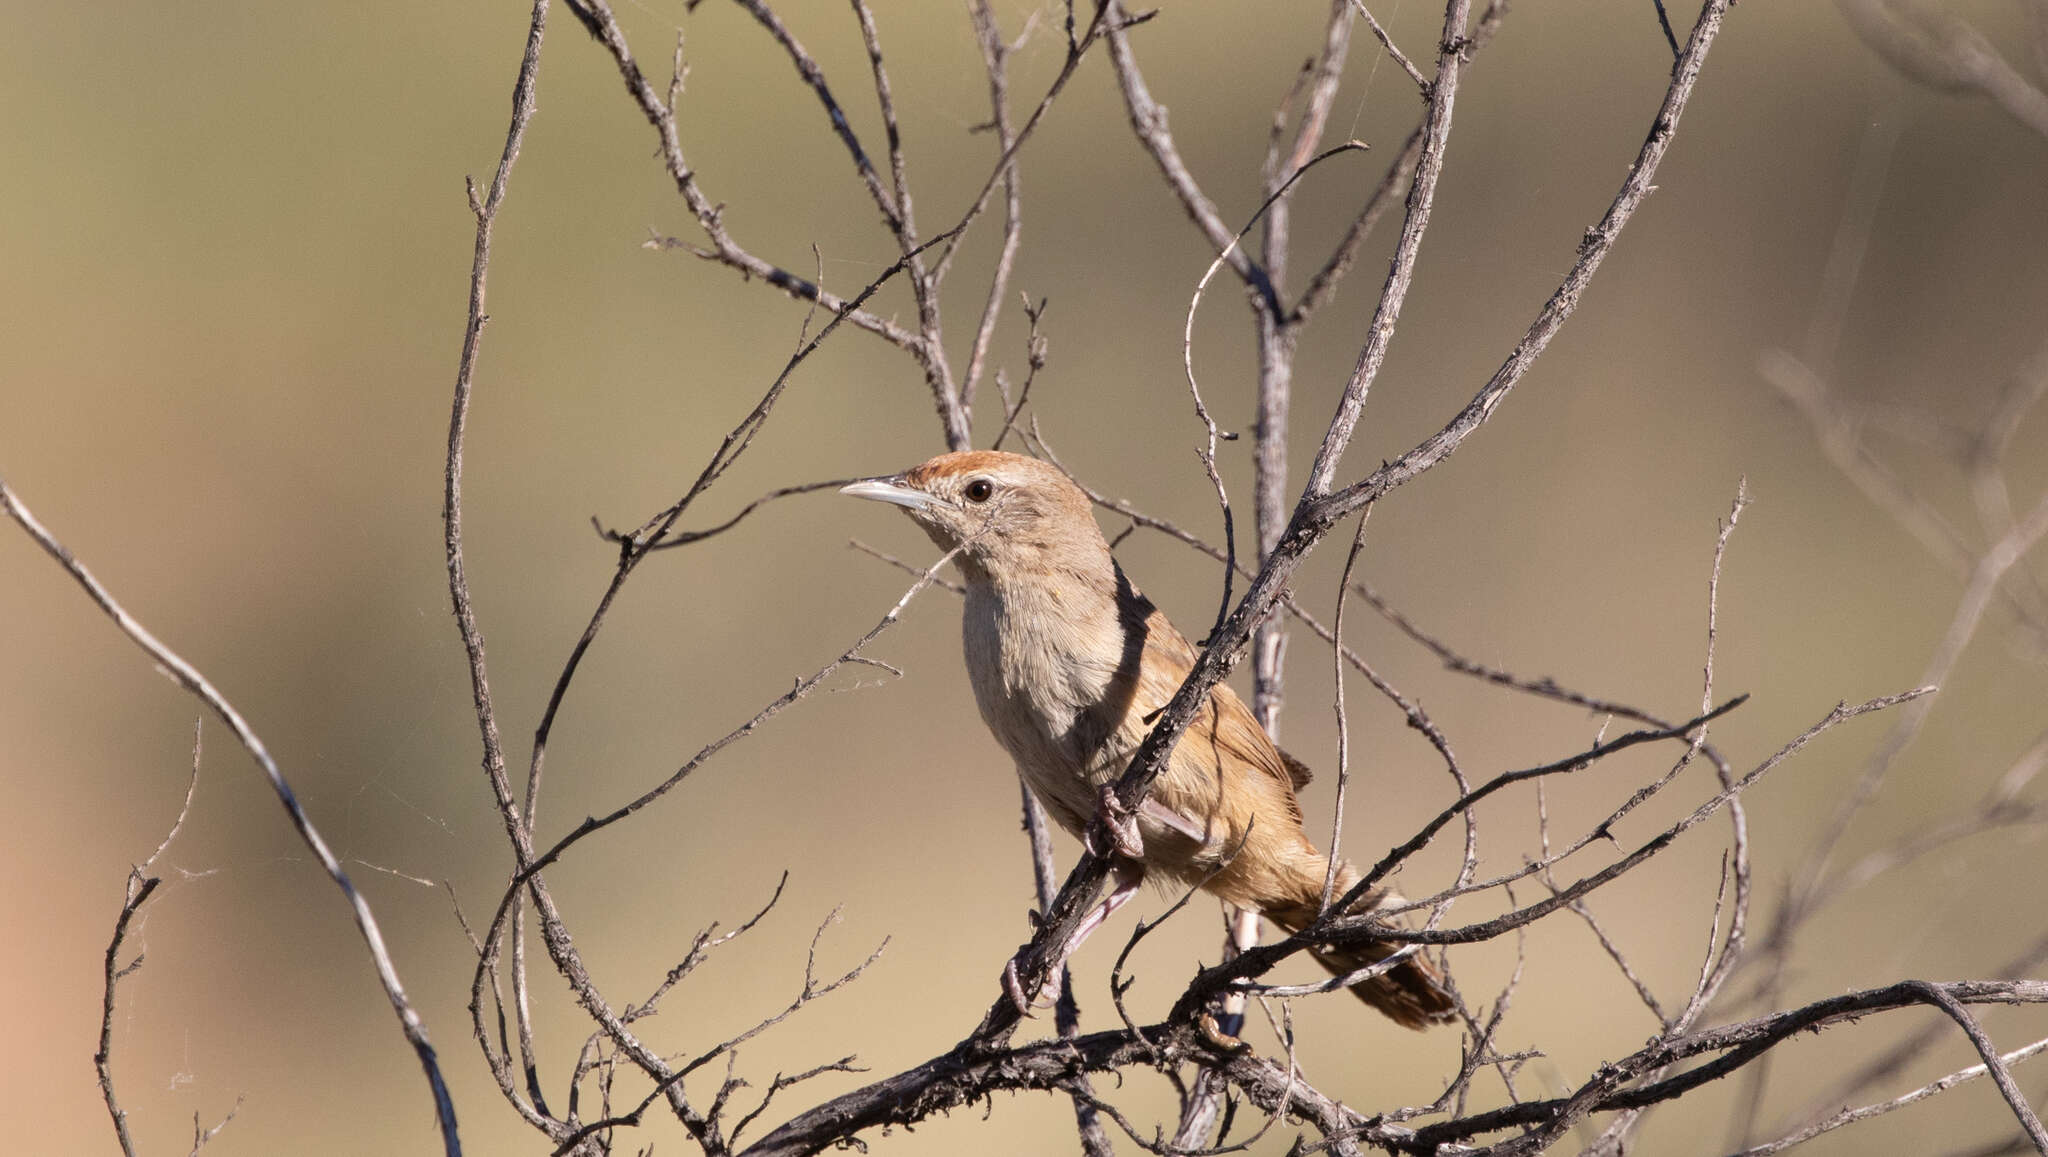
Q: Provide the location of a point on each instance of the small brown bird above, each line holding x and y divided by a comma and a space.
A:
1070, 665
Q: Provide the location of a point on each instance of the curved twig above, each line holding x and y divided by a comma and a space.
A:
189, 678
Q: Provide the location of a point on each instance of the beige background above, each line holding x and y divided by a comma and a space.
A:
236, 248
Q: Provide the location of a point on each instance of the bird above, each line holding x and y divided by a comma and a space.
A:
1070, 665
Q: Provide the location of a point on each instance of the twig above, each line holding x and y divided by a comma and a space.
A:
995, 57
1664, 22
899, 564
1714, 971
188, 677
485, 209
1343, 931
1938, 996
200, 1136
1593, 250
140, 887
1066, 1010
1408, 66
1343, 717
1737, 1044
675, 538
633, 550
1865, 1112
1148, 121
1034, 361
1187, 354
1393, 295
1315, 93
813, 76
700, 950
568, 961
775, 707
1984, 580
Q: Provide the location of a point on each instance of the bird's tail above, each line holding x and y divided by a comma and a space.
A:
1412, 993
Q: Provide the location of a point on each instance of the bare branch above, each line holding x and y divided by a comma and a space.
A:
200, 1136
188, 677
1272, 424
1346, 930
1939, 997
675, 538
1714, 970
1323, 286
517, 825
1148, 120
1593, 250
1865, 1112
1343, 718
995, 57
700, 950
1737, 1044
1066, 1010
775, 707
1034, 361
895, 215
1408, 66
141, 886
899, 564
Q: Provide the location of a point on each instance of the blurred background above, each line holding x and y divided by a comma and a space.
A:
236, 258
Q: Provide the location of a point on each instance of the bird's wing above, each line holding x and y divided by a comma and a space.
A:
1297, 772
1237, 733
1227, 735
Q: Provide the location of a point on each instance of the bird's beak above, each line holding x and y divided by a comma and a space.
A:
889, 490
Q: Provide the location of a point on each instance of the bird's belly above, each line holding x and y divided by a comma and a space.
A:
1059, 713
1069, 781
1063, 776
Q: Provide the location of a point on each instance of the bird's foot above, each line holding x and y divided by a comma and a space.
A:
1115, 830
1125, 876
1013, 984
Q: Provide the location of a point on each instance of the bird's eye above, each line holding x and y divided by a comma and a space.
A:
979, 490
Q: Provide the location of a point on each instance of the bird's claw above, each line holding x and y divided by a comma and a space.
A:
1116, 827
1014, 985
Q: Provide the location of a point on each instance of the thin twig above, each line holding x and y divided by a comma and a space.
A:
995, 57
1865, 1112
1341, 931
1148, 121
675, 538
1066, 1010
1736, 1044
189, 678
1408, 66
485, 209
140, 887
1034, 360
1593, 250
899, 564
1714, 970
1343, 717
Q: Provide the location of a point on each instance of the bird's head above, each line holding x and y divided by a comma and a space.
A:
1007, 514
